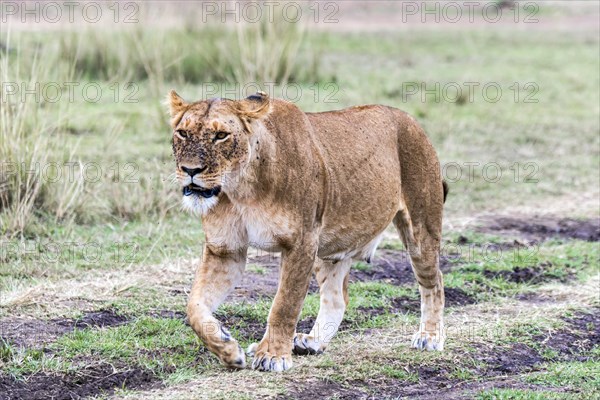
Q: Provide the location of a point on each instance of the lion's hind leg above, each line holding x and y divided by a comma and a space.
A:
423, 246
333, 289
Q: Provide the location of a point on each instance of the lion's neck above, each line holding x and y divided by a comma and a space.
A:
254, 176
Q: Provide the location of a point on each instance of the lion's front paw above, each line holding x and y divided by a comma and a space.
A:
232, 355
430, 341
306, 344
265, 361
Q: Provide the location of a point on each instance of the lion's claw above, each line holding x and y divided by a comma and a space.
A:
268, 362
426, 341
305, 345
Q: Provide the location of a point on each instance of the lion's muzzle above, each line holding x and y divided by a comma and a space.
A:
193, 189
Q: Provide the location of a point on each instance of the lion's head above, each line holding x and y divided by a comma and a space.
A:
211, 144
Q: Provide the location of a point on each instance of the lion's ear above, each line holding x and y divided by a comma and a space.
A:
255, 106
176, 103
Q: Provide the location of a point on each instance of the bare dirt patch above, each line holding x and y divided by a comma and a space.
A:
531, 275
25, 332
538, 229
391, 266
458, 297
89, 381
403, 304
511, 359
247, 328
433, 383
322, 389
494, 365
441, 388
256, 285
454, 297
574, 342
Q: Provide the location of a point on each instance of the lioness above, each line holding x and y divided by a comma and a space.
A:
320, 188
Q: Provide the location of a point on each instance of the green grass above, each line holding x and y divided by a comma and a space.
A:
164, 346
547, 153
485, 273
583, 376
361, 266
257, 269
523, 394
139, 133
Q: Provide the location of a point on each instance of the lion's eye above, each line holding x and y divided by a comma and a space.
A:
182, 133
221, 135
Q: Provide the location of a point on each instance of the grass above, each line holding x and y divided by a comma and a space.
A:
518, 394
121, 243
123, 67
163, 346
583, 376
487, 274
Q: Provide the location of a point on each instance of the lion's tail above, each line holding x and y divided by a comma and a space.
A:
446, 189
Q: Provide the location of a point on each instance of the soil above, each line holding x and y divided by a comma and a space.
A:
249, 329
498, 367
540, 229
324, 389
507, 360
89, 381
534, 298
393, 267
531, 275
454, 297
458, 297
574, 342
258, 285
100, 319
23, 332
389, 266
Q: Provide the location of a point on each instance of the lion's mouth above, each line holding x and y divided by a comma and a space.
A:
200, 191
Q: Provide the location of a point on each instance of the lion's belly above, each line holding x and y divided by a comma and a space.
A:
358, 238
273, 231
358, 210
357, 251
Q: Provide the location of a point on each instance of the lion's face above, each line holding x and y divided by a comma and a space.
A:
210, 145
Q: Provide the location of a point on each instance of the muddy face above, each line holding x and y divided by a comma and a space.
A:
209, 144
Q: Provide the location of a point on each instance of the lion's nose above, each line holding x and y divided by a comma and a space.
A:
192, 171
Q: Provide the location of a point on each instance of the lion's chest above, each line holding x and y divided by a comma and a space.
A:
266, 230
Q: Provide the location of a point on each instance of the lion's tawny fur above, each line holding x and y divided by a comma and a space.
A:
315, 186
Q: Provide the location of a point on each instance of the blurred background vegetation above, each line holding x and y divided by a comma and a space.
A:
125, 133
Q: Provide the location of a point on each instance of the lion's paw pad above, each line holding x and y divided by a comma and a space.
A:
427, 341
305, 344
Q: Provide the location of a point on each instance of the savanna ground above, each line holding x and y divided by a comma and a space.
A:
97, 259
